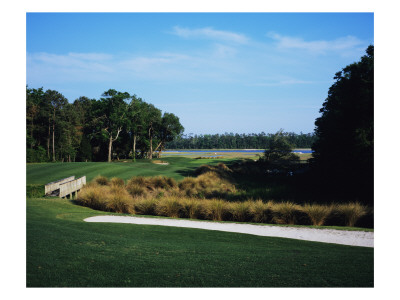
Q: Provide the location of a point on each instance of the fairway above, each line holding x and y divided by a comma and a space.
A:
178, 168
65, 251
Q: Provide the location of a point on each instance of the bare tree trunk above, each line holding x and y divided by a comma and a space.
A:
134, 148
110, 148
48, 142
54, 125
151, 144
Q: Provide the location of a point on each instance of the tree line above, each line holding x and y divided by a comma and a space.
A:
118, 125
238, 141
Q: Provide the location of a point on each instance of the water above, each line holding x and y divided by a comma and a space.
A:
255, 151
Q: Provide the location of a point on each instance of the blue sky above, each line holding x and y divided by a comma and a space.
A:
218, 72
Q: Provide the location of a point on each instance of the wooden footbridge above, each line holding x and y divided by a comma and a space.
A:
64, 187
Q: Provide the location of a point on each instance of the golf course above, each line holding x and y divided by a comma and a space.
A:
65, 251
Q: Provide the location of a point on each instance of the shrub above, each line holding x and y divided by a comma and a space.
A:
101, 180
317, 213
351, 212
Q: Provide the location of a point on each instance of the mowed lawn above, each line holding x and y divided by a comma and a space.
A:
64, 251
178, 168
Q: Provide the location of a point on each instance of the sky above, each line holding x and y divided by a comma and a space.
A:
218, 72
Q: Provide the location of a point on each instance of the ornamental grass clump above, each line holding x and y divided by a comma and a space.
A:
101, 180
192, 208
120, 201
169, 207
285, 213
216, 209
145, 206
115, 181
317, 213
94, 196
260, 211
351, 212
241, 211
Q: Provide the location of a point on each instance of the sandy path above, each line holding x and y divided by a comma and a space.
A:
352, 238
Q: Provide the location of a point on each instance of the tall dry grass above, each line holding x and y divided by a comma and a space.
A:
241, 211
260, 211
351, 212
169, 207
317, 213
200, 198
285, 213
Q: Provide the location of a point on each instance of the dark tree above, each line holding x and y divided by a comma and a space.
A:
343, 152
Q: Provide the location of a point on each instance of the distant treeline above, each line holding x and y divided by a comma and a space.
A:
238, 141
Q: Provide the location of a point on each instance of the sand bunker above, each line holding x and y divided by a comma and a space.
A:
343, 237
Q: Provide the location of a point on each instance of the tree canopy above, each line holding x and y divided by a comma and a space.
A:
343, 151
117, 125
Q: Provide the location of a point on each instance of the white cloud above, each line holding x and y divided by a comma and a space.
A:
210, 33
319, 46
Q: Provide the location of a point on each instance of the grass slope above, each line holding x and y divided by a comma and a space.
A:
178, 168
65, 251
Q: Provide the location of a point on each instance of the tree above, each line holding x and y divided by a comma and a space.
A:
343, 151
135, 121
169, 128
57, 101
152, 116
112, 116
280, 149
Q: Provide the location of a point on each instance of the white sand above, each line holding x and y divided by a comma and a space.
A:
344, 237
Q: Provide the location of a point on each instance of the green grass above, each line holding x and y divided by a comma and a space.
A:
178, 168
64, 251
